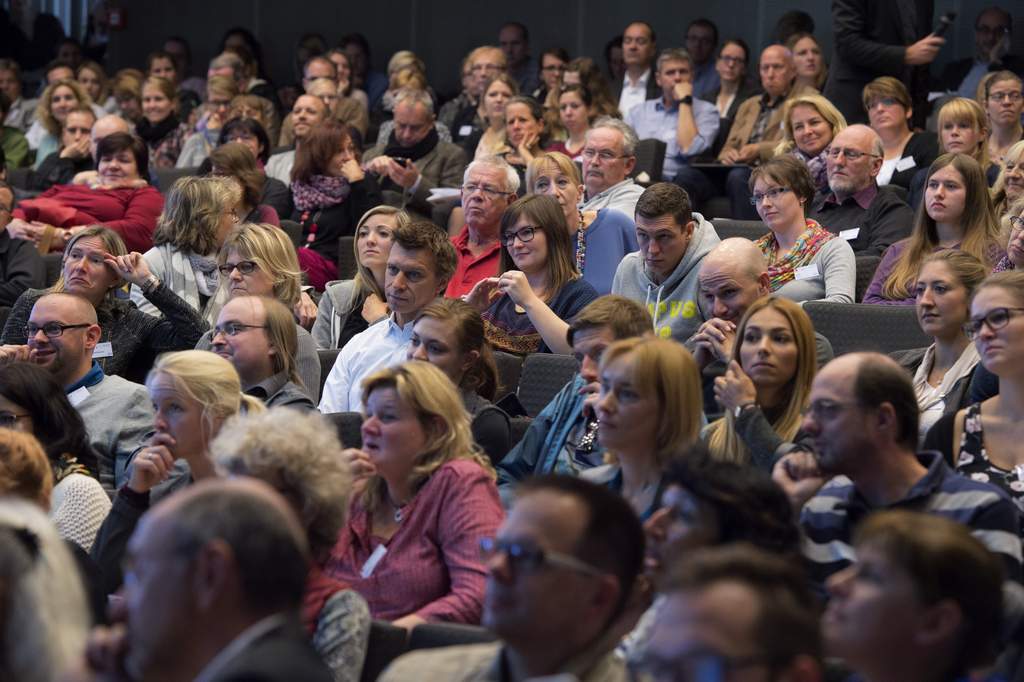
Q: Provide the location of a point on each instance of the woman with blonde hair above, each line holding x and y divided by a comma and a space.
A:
538, 288
600, 238
766, 386
957, 214
1014, 228
809, 123
349, 306
425, 497
57, 100
159, 127
498, 91
198, 215
259, 260
649, 410
93, 78
1009, 186
127, 89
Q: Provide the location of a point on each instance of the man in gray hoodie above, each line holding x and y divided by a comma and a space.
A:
664, 272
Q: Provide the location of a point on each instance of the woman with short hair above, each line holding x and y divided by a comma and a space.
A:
889, 110
1002, 96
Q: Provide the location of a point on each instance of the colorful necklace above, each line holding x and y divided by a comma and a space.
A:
581, 245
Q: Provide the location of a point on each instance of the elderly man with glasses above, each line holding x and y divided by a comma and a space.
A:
869, 217
560, 577
609, 156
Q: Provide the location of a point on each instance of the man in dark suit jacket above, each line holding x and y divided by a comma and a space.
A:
639, 47
215, 577
414, 160
991, 41
880, 38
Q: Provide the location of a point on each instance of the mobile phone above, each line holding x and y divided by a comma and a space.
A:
945, 21
401, 160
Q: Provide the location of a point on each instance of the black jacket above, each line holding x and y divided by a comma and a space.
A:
21, 268
57, 171
954, 73
339, 220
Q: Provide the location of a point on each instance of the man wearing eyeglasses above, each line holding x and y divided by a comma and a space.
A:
609, 156
257, 336
863, 418
560, 579
63, 337
488, 187
868, 217
992, 38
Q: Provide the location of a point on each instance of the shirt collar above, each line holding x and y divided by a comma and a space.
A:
268, 387
614, 187
863, 198
927, 485
640, 82
91, 378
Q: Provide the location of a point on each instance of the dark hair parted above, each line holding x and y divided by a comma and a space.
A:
665, 198
251, 126
789, 172
118, 142
426, 235
545, 214
323, 143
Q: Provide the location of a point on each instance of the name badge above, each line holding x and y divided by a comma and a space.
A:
851, 234
78, 396
906, 163
807, 271
367, 570
465, 131
103, 350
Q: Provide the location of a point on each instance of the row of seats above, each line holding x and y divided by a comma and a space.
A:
388, 642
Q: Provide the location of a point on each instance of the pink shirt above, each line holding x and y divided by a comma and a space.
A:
432, 566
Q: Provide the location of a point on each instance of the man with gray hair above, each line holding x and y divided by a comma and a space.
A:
686, 125
609, 156
214, 578
869, 217
489, 185
414, 160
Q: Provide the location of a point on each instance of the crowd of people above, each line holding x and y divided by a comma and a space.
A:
255, 343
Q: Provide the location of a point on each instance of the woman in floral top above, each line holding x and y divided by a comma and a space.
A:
806, 262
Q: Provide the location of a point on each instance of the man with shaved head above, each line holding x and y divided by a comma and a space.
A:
869, 217
733, 275
863, 419
214, 578
63, 337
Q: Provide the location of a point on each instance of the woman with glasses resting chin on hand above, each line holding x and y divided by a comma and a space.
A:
983, 440
526, 307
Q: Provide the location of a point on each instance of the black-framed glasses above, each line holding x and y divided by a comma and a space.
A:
52, 330
850, 154
527, 558
9, 419
235, 328
524, 234
826, 410
997, 318
246, 267
772, 194
695, 666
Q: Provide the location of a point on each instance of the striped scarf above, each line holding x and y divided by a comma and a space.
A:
782, 269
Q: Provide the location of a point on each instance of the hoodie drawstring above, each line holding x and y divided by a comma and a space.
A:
657, 304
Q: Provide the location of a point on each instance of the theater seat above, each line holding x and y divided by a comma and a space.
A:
387, 642
866, 266
327, 357
349, 427
650, 159
851, 327
543, 376
53, 263
166, 177
436, 635
509, 368
294, 231
347, 265
748, 229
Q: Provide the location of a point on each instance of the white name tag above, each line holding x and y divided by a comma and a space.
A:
851, 234
807, 271
103, 350
78, 396
464, 131
905, 163
367, 570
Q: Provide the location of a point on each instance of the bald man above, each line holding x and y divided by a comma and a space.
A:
863, 419
870, 218
63, 338
215, 579
733, 275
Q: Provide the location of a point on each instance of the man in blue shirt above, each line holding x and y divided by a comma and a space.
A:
686, 125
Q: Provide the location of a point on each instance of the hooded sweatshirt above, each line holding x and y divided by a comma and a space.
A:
673, 304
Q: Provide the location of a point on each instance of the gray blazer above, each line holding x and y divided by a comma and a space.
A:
442, 167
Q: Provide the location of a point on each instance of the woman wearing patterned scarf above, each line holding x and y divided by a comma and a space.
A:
809, 123
806, 262
330, 192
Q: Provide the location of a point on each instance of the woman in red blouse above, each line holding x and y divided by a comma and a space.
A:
427, 497
117, 196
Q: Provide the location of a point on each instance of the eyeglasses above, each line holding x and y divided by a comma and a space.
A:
245, 267
527, 559
997, 318
9, 419
604, 155
489, 192
772, 194
235, 328
850, 154
1005, 96
826, 410
694, 666
52, 330
524, 235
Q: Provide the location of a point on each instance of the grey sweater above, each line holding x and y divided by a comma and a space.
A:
836, 279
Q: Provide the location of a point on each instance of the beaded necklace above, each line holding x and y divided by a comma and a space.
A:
311, 237
581, 245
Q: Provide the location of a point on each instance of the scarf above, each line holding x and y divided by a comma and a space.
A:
414, 152
152, 133
189, 275
1004, 265
816, 165
783, 269
321, 191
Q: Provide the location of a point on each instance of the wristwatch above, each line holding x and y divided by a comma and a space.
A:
688, 100
151, 283
739, 409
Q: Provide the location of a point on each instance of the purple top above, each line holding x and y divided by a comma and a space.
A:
432, 567
873, 294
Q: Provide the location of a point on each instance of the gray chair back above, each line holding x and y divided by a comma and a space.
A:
543, 376
748, 229
852, 327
